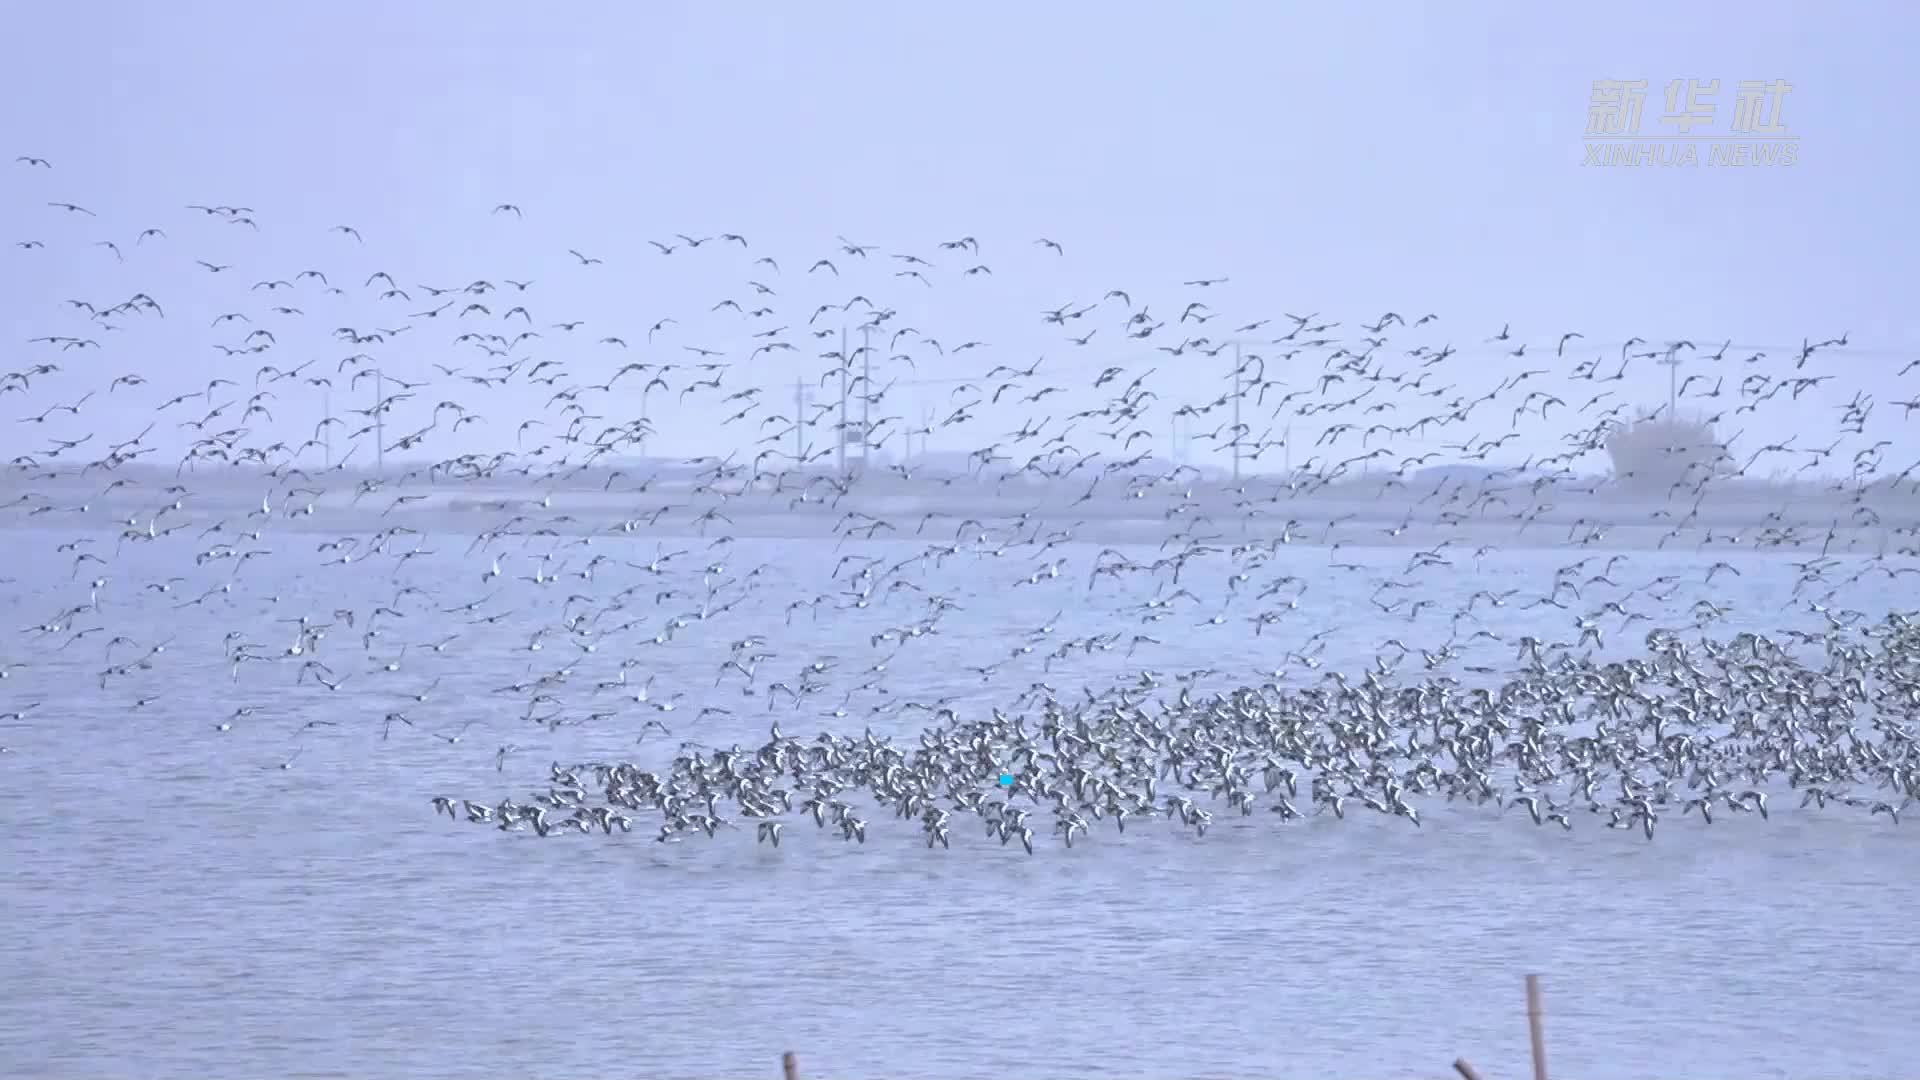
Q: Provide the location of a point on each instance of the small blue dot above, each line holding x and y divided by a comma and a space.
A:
1006, 779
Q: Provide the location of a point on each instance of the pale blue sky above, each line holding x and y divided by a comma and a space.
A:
1344, 159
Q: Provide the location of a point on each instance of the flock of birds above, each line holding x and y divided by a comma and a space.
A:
1679, 732
622, 574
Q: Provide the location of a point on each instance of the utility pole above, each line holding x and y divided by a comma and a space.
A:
841, 436
799, 411
326, 405
1672, 363
1237, 367
645, 393
379, 423
867, 394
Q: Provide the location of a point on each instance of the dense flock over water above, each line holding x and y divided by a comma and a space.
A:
600, 560
811, 568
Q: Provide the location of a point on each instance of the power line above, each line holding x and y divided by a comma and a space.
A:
1244, 351
1470, 352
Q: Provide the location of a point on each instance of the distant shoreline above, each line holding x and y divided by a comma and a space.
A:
1496, 510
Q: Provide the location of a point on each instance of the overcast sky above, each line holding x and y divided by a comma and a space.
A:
1340, 159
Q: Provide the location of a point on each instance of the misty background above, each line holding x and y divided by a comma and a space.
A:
1327, 161
222, 851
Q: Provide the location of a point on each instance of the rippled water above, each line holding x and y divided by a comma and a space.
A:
178, 905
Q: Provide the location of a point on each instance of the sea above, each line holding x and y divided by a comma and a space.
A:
279, 899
